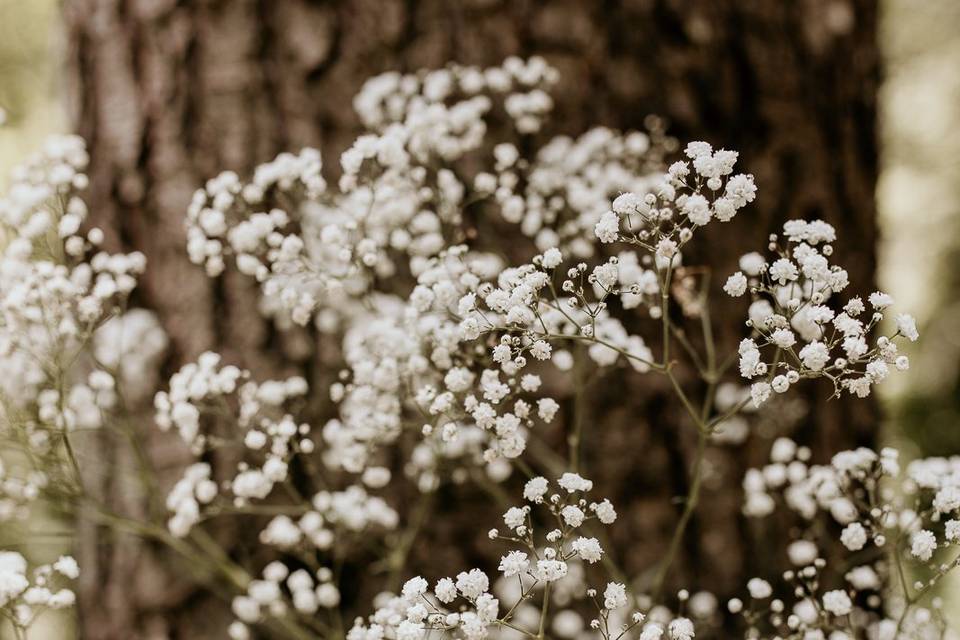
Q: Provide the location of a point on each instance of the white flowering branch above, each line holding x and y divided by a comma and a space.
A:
448, 360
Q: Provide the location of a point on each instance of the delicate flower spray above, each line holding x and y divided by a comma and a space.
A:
445, 353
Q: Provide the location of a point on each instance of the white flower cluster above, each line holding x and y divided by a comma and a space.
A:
550, 570
25, 595
188, 495
331, 514
527, 312
442, 107
282, 592
279, 591
206, 384
329, 245
425, 356
203, 391
790, 315
568, 186
209, 217
224, 217
129, 347
687, 197
880, 517
18, 493
56, 286
571, 511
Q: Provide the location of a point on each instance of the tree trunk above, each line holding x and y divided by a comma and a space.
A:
168, 93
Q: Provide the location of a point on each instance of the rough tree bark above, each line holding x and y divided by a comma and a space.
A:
168, 93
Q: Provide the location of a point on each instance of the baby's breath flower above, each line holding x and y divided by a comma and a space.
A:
922, 544
837, 602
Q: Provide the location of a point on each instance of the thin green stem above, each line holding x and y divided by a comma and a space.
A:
398, 558
691, 504
543, 612
579, 409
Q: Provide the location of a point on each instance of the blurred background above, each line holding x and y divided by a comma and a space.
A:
918, 196
917, 191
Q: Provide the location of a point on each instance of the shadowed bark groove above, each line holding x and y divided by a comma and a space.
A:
170, 92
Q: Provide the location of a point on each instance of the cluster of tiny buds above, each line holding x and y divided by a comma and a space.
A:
24, 596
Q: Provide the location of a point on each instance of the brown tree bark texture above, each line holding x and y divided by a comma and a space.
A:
168, 93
